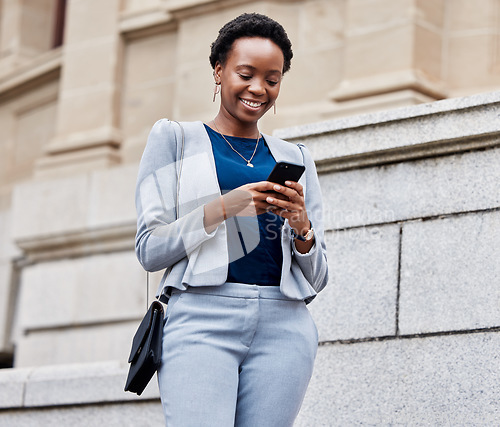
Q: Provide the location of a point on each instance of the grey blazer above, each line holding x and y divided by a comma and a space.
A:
179, 242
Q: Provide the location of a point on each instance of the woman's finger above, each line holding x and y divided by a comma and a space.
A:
261, 186
296, 186
292, 196
289, 193
284, 204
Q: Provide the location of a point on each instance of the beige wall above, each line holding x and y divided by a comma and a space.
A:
80, 114
127, 63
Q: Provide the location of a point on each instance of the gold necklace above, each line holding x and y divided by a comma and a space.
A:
249, 164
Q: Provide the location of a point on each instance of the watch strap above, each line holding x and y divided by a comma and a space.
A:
308, 236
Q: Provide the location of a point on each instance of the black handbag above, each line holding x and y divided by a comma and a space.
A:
145, 356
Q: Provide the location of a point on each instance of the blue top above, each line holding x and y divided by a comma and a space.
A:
261, 265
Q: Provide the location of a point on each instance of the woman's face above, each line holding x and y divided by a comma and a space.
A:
250, 79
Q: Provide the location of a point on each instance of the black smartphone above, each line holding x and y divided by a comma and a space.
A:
284, 171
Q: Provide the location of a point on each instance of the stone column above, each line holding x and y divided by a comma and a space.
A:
473, 55
26, 31
393, 53
87, 125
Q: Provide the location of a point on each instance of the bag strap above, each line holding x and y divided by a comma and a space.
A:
180, 160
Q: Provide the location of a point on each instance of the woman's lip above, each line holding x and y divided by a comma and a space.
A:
252, 104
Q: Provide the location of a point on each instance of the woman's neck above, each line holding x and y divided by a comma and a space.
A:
232, 127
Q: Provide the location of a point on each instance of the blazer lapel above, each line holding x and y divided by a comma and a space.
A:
199, 182
283, 151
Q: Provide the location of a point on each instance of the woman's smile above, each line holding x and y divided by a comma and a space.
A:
252, 104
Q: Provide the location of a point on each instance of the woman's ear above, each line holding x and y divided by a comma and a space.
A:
217, 72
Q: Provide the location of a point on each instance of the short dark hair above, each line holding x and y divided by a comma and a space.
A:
250, 25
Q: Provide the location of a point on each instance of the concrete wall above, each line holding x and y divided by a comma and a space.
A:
409, 323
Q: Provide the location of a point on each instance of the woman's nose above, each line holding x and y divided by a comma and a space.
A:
257, 88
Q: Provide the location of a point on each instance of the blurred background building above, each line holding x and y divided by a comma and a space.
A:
409, 323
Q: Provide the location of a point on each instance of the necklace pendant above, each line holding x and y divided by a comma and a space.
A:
249, 164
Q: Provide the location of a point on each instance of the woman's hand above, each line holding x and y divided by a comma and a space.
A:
259, 197
247, 200
291, 205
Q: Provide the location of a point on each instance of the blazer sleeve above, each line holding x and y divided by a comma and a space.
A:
314, 264
161, 239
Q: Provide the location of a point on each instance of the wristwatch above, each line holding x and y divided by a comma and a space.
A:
308, 236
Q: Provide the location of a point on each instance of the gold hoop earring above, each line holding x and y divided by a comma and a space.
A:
216, 90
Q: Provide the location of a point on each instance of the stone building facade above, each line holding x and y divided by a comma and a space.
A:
409, 323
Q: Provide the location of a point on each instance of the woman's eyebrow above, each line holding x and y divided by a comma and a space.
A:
252, 68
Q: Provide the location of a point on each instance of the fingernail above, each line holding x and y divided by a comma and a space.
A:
277, 187
270, 200
288, 182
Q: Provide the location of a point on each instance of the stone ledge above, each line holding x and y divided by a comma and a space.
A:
146, 413
182, 9
103, 136
114, 238
98, 214
423, 189
61, 385
391, 82
43, 68
426, 130
12, 387
396, 114
146, 23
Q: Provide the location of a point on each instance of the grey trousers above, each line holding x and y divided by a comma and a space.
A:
235, 355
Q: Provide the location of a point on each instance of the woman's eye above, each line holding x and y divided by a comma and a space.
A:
245, 77
272, 82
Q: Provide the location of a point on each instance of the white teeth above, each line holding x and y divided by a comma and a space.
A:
251, 104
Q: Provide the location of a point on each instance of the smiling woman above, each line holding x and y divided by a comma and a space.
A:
252, 78
241, 254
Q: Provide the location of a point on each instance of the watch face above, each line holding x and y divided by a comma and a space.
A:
309, 235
